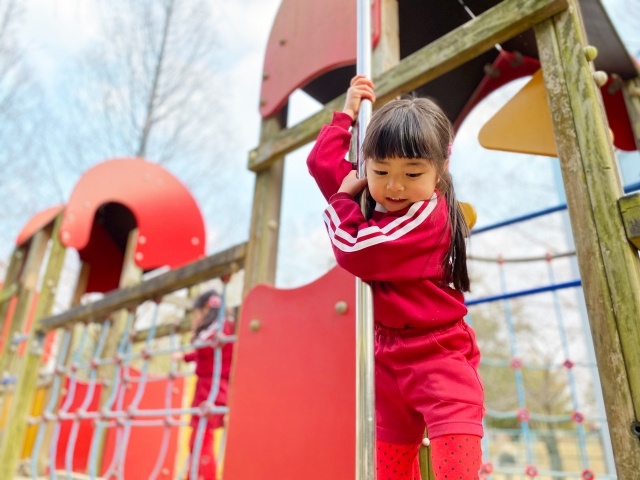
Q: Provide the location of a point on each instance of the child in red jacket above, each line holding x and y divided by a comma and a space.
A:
204, 325
412, 252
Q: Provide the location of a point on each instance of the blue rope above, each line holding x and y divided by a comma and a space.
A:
66, 341
71, 391
168, 404
122, 446
523, 293
513, 343
572, 383
71, 444
540, 213
97, 432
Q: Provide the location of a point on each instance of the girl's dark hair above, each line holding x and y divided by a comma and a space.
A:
418, 128
212, 315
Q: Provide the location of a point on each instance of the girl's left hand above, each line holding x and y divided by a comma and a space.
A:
177, 357
352, 185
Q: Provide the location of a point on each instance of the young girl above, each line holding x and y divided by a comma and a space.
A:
204, 319
412, 253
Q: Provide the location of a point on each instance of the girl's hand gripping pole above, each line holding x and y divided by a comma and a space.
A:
365, 373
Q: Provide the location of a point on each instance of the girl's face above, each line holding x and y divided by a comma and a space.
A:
396, 183
197, 316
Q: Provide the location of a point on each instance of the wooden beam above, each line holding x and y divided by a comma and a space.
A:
608, 265
498, 24
15, 429
630, 210
262, 250
217, 265
80, 290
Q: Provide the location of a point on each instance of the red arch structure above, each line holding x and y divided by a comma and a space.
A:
170, 225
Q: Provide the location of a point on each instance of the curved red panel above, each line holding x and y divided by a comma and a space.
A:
308, 38
171, 229
37, 222
618, 116
293, 384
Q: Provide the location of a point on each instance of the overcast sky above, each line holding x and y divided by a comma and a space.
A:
498, 184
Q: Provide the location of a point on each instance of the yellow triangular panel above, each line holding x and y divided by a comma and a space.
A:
523, 125
469, 213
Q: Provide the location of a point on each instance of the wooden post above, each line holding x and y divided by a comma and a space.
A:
9, 287
262, 249
27, 287
131, 275
609, 265
81, 288
15, 429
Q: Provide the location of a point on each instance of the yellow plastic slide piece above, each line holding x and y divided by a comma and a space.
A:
469, 213
523, 125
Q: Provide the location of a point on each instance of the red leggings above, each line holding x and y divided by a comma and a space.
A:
454, 457
207, 463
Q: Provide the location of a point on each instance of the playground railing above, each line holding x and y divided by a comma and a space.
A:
93, 386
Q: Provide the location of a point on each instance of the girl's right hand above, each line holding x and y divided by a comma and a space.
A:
361, 88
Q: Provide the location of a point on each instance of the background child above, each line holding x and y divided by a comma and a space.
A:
413, 254
204, 327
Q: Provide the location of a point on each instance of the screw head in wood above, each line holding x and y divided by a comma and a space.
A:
255, 325
600, 78
590, 53
341, 307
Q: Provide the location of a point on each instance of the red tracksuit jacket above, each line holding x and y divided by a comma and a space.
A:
398, 253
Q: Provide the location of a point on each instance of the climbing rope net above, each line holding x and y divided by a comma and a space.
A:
125, 389
567, 437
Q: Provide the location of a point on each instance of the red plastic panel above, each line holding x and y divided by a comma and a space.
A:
38, 222
308, 38
85, 432
293, 391
506, 68
168, 218
145, 443
618, 116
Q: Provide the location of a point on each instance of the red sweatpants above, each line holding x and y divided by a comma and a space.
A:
454, 457
207, 461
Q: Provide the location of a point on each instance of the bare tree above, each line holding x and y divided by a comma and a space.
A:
22, 162
152, 89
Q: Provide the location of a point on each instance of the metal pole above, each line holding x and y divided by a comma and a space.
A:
365, 368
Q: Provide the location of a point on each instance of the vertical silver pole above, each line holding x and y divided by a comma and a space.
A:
365, 368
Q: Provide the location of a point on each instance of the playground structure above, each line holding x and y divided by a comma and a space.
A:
457, 53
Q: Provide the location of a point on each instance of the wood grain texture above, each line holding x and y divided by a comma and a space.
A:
496, 25
620, 259
27, 284
217, 265
585, 226
15, 429
262, 249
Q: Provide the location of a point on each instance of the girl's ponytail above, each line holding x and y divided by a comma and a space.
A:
455, 262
